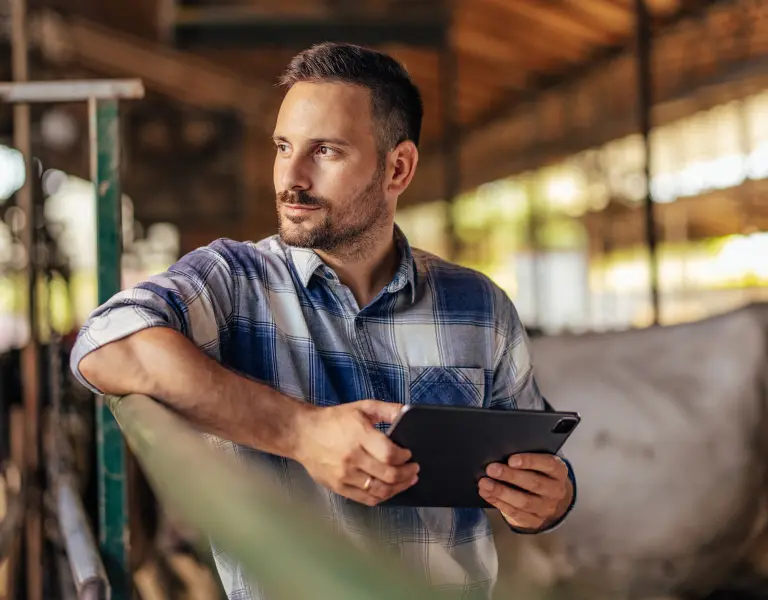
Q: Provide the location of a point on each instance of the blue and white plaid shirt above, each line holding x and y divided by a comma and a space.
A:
437, 334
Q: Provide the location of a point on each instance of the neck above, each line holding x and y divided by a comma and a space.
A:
366, 272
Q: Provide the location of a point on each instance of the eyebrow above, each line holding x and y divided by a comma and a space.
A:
316, 141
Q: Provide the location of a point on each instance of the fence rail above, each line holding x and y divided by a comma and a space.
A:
284, 548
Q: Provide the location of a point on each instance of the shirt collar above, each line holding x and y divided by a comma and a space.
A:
308, 264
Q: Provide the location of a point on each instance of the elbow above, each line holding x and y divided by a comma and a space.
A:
112, 369
89, 368
95, 369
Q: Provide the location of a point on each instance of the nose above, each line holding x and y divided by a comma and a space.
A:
294, 175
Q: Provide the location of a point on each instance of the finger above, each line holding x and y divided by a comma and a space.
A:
387, 473
355, 493
380, 412
536, 505
384, 491
518, 518
380, 447
376, 493
531, 481
549, 464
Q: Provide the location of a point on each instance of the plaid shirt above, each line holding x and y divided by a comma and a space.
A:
437, 334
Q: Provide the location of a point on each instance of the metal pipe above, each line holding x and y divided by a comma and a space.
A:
66, 589
104, 131
71, 91
84, 563
645, 106
88, 571
245, 515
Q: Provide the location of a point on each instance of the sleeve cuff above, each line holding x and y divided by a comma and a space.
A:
78, 353
556, 524
96, 334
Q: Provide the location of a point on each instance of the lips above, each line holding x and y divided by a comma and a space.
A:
300, 207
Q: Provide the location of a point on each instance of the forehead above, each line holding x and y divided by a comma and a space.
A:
325, 110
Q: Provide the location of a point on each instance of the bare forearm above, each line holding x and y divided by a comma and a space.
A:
165, 365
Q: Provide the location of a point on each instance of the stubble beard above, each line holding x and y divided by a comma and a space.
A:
351, 238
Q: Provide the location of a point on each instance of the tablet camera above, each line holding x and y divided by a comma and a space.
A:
564, 426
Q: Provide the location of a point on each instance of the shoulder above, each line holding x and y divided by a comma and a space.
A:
459, 288
251, 260
444, 272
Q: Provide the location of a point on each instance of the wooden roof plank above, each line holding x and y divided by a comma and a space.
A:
618, 18
184, 77
592, 13
491, 19
558, 19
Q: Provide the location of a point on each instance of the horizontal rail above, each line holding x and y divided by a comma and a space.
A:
291, 553
71, 90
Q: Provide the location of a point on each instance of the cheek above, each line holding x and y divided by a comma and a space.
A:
336, 186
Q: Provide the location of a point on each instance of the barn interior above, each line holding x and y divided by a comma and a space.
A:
603, 161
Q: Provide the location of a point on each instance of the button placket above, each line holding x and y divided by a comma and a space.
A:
367, 352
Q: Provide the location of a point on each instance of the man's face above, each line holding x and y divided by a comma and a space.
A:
328, 174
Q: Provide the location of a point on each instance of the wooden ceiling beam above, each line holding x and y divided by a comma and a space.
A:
569, 76
557, 19
242, 27
551, 126
614, 17
474, 48
659, 9
480, 79
181, 76
493, 20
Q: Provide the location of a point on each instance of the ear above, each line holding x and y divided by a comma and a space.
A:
401, 166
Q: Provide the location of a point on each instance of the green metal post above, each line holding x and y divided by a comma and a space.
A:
111, 453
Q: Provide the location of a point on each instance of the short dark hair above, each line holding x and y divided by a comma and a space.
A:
395, 101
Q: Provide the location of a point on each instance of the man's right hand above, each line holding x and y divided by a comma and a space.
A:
341, 449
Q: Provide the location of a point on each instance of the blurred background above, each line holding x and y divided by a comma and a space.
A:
533, 158
604, 161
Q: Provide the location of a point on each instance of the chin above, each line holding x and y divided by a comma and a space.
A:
295, 234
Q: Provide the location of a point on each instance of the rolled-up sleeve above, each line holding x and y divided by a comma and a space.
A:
514, 381
196, 296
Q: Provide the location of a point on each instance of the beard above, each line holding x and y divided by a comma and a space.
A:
346, 226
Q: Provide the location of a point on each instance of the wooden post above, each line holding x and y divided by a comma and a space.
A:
645, 107
30, 353
451, 142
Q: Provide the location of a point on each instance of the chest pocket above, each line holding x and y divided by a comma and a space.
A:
447, 386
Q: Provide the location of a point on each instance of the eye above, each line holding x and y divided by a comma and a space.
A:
326, 151
281, 147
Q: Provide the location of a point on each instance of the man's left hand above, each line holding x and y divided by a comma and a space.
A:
545, 490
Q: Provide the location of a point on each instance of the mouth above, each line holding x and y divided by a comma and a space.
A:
300, 208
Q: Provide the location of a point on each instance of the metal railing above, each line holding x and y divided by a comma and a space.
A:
288, 551
86, 572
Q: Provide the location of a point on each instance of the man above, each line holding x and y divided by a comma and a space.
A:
334, 324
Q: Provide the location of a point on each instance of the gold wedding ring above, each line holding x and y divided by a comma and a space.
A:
367, 485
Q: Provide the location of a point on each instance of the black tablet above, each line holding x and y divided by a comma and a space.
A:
453, 447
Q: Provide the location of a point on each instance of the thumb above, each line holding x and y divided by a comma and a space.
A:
380, 412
